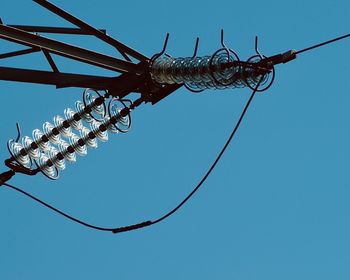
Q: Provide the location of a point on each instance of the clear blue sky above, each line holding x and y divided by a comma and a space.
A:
276, 207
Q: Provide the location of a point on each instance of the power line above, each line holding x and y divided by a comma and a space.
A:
322, 44
168, 214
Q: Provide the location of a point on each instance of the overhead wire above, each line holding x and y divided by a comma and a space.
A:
55, 209
322, 44
197, 187
168, 214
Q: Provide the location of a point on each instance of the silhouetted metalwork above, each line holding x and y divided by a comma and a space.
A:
105, 107
153, 78
221, 70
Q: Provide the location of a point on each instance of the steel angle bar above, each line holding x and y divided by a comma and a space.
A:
18, 53
69, 51
54, 78
54, 30
123, 49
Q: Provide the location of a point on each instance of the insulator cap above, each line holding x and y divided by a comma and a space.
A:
55, 131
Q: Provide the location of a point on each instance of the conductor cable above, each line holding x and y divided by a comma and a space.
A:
168, 214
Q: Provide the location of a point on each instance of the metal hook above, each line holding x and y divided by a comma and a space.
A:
227, 49
222, 39
18, 132
165, 45
193, 56
158, 55
163, 50
256, 47
196, 48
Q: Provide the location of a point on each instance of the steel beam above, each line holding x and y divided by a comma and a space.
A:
125, 83
50, 61
54, 30
70, 51
53, 78
18, 53
88, 28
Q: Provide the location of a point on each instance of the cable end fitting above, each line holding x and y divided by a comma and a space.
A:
277, 59
288, 56
6, 176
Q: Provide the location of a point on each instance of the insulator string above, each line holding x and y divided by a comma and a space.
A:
220, 71
49, 151
89, 138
